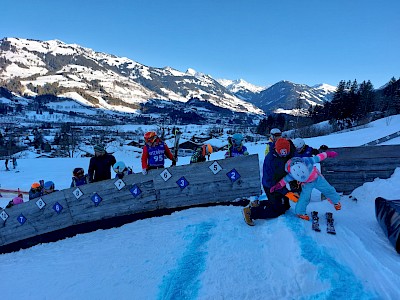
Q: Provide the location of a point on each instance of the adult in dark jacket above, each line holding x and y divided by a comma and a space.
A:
100, 165
273, 172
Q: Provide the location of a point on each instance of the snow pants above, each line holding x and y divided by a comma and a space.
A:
276, 205
320, 184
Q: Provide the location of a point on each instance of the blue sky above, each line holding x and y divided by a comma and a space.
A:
262, 42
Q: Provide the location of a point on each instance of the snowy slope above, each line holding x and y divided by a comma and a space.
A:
210, 253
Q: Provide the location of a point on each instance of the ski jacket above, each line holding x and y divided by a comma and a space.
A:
17, 200
307, 152
274, 170
309, 162
35, 193
153, 155
270, 145
100, 167
80, 181
233, 151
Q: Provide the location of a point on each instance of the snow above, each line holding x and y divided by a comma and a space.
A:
209, 252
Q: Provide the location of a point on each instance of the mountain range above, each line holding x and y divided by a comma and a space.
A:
32, 67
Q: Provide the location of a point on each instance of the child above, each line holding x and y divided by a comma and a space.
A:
48, 187
36, 190
237, 148
303, 170
153, 153
79, 177
17, 200
201, 153
275, 134
121, 170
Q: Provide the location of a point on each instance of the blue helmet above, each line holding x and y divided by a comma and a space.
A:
119, 167
237, 139
48, 185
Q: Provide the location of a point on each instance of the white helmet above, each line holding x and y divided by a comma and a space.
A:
298, 143
275, 131
298, 169
119, 167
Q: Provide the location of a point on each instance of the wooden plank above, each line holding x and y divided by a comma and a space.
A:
203, 188
114, 202
38, 221
367, 152
356, 165
204, 184
379, 164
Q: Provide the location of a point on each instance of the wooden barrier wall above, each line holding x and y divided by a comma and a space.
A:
356, 165
209, 182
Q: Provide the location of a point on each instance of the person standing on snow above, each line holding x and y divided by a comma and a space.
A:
303, 170
201, 153
275, 134
153, 153
236, 148
273, 171
100, 165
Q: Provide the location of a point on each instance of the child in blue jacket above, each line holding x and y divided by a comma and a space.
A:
303, 170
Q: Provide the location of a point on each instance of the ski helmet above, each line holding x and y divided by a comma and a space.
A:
298, 169
299, 144
275, 134
150, 137
119, 167
237, 139
48, 186
282, 147
35, 185
78, 172
275, 131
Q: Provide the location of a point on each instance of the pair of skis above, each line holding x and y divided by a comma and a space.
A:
330, 227
177, 135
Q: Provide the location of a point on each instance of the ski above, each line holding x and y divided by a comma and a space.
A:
315, 221
330, 228
177, 135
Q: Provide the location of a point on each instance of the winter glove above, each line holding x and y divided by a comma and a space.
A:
295, 186
277, 186
144, 171
331, 154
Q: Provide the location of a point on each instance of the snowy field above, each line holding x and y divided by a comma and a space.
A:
210, 253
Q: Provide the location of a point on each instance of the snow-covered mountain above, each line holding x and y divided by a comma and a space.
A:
288, 96
103, 80
241, 88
